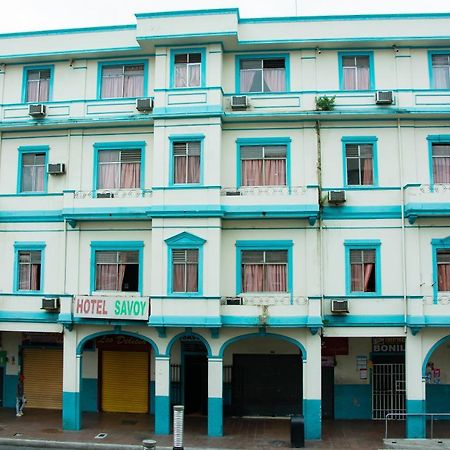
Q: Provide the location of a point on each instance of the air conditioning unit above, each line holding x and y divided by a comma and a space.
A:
51, 304
232, 193
56, 169
384, 97
232, 300
339, 306
144, 104
336, 197
105, 195
239, 102
38, 110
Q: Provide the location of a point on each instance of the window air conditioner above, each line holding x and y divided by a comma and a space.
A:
38, 110
339, 306
232, 300
384, 97
336, 197
239, 102
51, 304
56, 169
232, 193
105, 195
144, 104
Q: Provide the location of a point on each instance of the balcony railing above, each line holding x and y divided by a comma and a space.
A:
114, 193
265, 300
434, 188
263, 191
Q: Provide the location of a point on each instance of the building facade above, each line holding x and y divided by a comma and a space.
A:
246, 216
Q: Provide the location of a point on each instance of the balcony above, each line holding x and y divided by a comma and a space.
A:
430, 310
427, 200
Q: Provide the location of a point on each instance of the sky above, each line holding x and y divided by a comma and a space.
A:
29, 15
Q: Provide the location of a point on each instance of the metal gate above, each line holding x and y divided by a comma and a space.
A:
388, 391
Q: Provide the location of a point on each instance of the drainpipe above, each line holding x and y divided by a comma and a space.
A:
65, 257
319, 199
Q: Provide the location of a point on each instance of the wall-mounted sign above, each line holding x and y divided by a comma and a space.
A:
105, 307
388, 345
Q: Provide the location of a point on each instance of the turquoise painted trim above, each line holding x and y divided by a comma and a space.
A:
312, 411
202, 51
431, 351
188, 12
185, 321
363, 245
215, 417
124, 62
71, 413
116, 246
186, 138
279, 321
187, 333
360, 140
183, 241
341, 55
431, 53
437, 396
33, 294
353, 402
285, 56
188, 111
189, 89
31, 149
183, 186
29, 317
9, 390
186, 36
28, 246
26, 69
435, 139
89, 394
362, 188
361, 212
270, 211
26, 194
128, 145
387, 320
263, 141
240, 321
437, 244
414, 210
415, 425
264, 245
162, 414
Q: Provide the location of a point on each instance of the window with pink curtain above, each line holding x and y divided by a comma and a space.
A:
262, 75
441, 163
119, 169
440, 66
264, 270
356, 72
122, 81
362, 267
359, 162
443, 268
185, 270
188, 69
263, 165
38, 85
29, 270
117, 271
186, 162
33, 172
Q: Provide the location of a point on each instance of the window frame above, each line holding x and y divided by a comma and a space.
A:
360, 140
178, 51
116, 246
265, 245
27, 69
287, 81
128, 145
435, 139
342, 55
265, 141
432, 53
374, 244
23, 150
102, 64
185, 138
184, 241
436, 245
28, 246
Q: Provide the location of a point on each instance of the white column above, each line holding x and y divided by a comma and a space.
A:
162, 395
215, 396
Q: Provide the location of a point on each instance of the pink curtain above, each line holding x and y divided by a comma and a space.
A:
441, 170
133, 86
192, 278
106, 279
252, 173
444, 277
39, 178
180, 75
349, 78
246, 80
35, 277
441, 78
275, 172
121, 275
178, 278
130, 176
367, 168
193, 175
194, 75
274, 79
24, 277
180, 169
33, 91
276, 278
112, 82
368, 269
363, 78
252, 278
357, 278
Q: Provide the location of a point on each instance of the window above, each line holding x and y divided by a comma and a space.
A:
185, 270
29, 266
186, 164
123, 80
37, 87
440, 71
262, 74
359, 159
188, 69
356, 72
440, 153
443, 269
32, 169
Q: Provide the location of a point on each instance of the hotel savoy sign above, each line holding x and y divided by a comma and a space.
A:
106, 307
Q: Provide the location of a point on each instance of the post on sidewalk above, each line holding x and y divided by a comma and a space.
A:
178, 425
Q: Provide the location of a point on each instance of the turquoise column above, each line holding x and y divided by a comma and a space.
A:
215, 397
162, 395
71, 413
416, 426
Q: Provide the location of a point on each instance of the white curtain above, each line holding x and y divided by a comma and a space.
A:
274, 80
133, 86
194, 75
247, 78
180, 75
112, 82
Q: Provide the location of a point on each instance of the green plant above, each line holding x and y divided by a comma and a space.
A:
325, 103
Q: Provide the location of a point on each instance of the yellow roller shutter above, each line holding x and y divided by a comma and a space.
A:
125, 381
43, 371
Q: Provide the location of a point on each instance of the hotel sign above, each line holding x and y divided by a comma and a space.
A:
105, 307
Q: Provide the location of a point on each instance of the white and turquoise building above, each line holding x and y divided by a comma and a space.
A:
228, 244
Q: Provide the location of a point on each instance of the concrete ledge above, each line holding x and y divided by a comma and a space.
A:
417, 444
38, 443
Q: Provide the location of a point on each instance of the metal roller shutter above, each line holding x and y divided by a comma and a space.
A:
43, 371
125, 381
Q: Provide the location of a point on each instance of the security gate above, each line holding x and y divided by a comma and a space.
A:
388, 391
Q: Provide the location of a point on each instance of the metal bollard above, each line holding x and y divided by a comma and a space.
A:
148, 444
178, 418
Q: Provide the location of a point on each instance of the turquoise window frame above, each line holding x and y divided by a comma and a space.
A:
374, 244
431, 53
28, 246
31, 149
185, 241
129, 145
437, 244
244, 142
27, 69
435, 139
341, 56
285, 56
264, 245
180, 51
116, 246
185, 138
102, 64
360, 140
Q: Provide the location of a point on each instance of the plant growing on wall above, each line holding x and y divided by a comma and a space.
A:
325, 103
